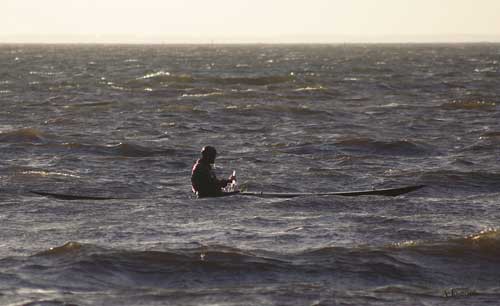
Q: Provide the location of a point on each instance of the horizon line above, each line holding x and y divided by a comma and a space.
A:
249, 43
132, 39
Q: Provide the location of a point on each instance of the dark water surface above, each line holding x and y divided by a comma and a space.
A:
129, 121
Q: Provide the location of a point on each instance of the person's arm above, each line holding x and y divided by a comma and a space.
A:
224, 182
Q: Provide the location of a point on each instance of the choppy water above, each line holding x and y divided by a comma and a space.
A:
129, 121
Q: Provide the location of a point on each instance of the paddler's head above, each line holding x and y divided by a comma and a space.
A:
208, 154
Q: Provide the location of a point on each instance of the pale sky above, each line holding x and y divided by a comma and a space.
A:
202, 21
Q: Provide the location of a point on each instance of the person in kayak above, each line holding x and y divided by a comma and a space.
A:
203, 180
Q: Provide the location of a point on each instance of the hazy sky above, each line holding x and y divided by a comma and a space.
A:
248, 20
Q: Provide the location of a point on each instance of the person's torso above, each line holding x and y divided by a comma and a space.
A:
203, 180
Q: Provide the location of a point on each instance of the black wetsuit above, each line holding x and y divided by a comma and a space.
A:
204, 182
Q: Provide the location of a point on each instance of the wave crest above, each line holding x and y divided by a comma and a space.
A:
256, 81
121, 149
483, 245
156, 79
371, 146
277, 108
23, 135
478, 180
469, 105
68, 248
79, 262
486, 241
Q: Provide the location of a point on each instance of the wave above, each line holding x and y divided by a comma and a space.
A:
46, 173
156, 79
67, 248
487, 142
46, 73
309, 148
121, 149
457, 180
310, 88
493, 134
97, 266
167, 77
161, 80
277, 108
255, 81
202, 95
88, 104
371, 146
162, 76
34, 136
219, 263
29, 135
474, 257
483, 245
469, 105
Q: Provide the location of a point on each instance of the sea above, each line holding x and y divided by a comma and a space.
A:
128, 122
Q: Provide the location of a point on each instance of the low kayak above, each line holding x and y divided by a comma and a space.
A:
388, 192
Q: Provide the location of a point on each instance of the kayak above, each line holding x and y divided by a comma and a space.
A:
388, 192
70, 197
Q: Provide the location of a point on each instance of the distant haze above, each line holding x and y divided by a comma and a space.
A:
246, 21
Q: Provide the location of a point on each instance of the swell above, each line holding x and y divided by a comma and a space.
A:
376, 147
276, 109
469, 105
94, 266
121, 149
481, 181
487, 142
162, 78
25, 135
477, 256
492, 134
412, 256
41, 139
255, 81
483, 246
